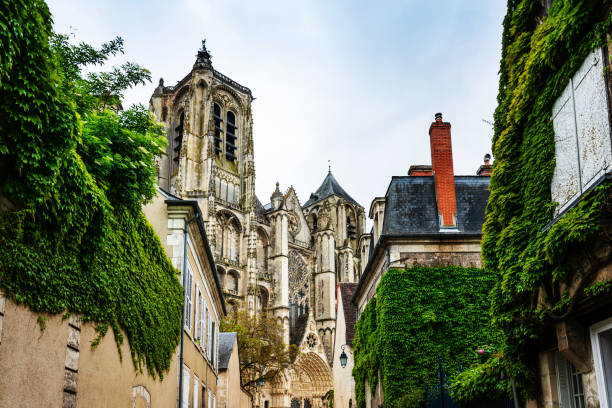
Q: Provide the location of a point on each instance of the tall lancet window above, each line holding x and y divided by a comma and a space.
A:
178, 138
218, 129
230, 137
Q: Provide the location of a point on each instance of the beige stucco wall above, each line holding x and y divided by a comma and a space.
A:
344, 383
230, 394
169, 226
106, 381
33, 366
31, 361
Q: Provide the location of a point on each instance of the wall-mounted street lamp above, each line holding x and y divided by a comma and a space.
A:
343, 357
261, 382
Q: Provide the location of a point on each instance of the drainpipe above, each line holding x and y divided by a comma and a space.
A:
185, 234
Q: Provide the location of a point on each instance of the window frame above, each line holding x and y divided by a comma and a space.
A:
186, 385
595, 330
188, 298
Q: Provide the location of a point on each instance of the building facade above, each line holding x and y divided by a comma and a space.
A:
282, 258
230, 393
179, 223
431, 217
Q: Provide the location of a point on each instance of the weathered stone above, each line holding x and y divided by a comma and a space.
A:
72, 359
69, 400
70, 381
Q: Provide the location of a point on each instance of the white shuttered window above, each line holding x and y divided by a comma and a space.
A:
188, 298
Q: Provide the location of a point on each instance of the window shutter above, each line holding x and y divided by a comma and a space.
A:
217, 352
188, 302
185, 387
196, 332
202, 324
214, 345
214, 402
195, 392
563, 384
209, 399
209, 335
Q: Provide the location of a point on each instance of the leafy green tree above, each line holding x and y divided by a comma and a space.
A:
97, 90
73, 175
263, 353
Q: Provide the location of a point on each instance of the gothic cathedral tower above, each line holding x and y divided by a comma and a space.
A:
209, 158
282, 258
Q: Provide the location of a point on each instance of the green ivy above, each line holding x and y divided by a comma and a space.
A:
73, 237
540, 53
418, 315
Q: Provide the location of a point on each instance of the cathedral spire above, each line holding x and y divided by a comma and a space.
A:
203, 58
276, 198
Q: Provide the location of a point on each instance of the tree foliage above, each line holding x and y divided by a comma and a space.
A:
419, 315
540, 53
263, 353
73, 238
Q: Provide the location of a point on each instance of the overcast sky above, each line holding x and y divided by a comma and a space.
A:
354, 82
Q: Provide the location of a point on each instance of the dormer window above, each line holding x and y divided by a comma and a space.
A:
218, 130
230, 137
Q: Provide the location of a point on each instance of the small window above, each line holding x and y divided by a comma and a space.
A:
230, 137
218, 129
569, 384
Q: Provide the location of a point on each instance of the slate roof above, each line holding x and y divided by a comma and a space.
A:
411, 210
260, 210
411, 206
347, 290
226, 346
329, 187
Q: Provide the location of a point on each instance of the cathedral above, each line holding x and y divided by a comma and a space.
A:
284, 258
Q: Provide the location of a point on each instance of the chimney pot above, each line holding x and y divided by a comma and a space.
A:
438, 117
487, 158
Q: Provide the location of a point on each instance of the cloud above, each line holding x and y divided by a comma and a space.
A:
355, 82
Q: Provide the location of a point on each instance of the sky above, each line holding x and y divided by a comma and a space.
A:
354, 82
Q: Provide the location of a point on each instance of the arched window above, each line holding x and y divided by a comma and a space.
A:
217, 187
234, 241
223, 195
178, 138
232, 281
218, 129
230, 193
230, 137
236, 194
221, 274
262, 251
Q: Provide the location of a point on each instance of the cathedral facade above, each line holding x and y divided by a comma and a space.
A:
284, 258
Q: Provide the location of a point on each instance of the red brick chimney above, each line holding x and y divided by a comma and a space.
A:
442, 166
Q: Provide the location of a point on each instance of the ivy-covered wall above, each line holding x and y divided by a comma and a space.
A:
73, 238
419, 314
541, 51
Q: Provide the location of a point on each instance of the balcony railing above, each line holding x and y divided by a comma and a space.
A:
297, 242
265, 276
235, 206
229, 262
231, 291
